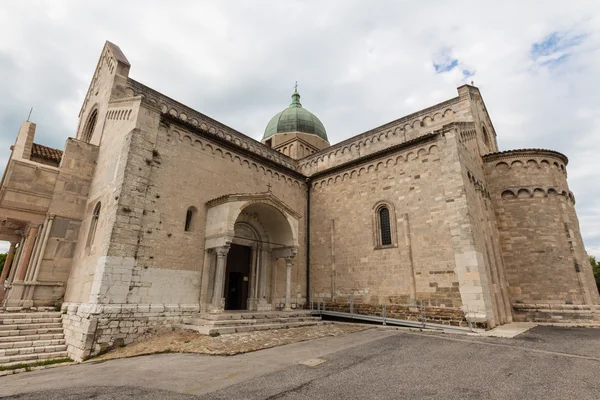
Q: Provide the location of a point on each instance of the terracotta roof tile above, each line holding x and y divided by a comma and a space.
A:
47, 153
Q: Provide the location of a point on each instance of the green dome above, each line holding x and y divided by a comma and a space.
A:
295, 119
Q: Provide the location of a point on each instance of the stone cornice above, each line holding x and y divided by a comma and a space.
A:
188, 116
525, 152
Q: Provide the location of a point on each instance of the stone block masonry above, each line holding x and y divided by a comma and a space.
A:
92, 329
157, 212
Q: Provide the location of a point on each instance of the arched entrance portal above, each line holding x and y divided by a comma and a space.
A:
245, 236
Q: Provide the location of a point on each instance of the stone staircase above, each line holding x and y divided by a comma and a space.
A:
31, 337
248, 321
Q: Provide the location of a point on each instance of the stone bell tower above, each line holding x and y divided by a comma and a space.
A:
295, 131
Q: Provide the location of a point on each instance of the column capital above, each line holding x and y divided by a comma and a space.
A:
222, 251
33, 225
288, 261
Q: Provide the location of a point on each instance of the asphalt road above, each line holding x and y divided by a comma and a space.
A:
544, 363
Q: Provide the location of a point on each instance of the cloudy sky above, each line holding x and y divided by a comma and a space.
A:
359, 64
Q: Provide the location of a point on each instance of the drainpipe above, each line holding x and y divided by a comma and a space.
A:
308, 240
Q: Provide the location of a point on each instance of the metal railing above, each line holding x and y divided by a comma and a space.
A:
417, 309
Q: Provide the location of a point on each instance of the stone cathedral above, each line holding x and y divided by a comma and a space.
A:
155, 212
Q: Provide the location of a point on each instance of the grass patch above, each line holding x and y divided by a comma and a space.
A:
40, 363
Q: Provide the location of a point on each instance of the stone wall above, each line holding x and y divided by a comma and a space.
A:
67, 208
416, 313
483, 223
345, 256
93, 328
105, 189
543, 252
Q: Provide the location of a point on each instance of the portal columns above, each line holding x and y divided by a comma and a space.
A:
26, 257
218, 300
7, 265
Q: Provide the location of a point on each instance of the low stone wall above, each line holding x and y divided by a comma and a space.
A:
557, 313
437, 315
94, 328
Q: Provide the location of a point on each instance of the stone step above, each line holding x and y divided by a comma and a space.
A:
255, 315
211, 330
19, 363
243, 322
18, 343
34, 356
33, 350
26, 332
25, 315
30, 326
31, 337
16, 321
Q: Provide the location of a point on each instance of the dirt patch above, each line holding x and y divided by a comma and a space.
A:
228, 345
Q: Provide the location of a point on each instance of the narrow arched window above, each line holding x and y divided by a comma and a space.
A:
90, 125
384, 226
486, 138
94, 224
190, 219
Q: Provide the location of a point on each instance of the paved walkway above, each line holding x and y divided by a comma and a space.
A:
543, 363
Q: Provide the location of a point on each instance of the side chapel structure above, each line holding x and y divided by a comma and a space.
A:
155, 212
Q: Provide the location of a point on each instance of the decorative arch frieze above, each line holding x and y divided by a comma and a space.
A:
376, 165
214, 149
536, 191
395, 131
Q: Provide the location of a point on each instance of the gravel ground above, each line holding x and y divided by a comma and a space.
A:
228, 345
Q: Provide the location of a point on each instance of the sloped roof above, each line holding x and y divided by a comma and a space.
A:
47, 153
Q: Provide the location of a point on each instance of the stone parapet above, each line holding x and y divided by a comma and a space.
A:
94, 328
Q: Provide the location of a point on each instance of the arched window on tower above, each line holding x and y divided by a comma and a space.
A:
94, 224
486, 138
90, 125
190, 219
385, 225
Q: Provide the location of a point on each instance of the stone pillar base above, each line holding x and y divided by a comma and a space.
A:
216, 309
14, 296
252, 304
263, 305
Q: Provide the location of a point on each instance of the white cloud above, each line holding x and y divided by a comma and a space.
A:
359, 64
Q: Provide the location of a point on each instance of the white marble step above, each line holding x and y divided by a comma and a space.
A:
254, 315
31, 337
30, 326
29, 315
18, 343
26, 332
18, 321
211, 330
33, 356
33, 350
244, 322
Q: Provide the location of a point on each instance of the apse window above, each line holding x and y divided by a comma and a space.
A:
190, 217
94, 224
384, 226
